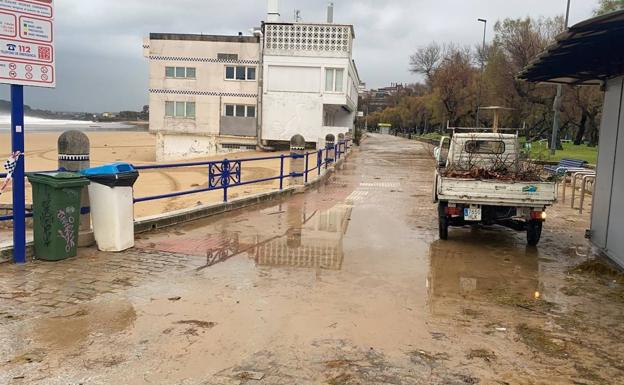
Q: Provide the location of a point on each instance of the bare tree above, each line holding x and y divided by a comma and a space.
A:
426, 60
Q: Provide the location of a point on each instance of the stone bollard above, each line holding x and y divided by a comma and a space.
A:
73, 155
330, 153
297, 160
341, 146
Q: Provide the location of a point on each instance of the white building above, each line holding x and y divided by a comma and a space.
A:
211, 94
310, 82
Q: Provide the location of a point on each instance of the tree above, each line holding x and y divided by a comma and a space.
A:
607, 6
454, 83
426, 60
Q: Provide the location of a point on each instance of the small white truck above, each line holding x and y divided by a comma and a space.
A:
480, 179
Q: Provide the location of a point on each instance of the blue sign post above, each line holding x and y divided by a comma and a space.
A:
19, 196
28, 59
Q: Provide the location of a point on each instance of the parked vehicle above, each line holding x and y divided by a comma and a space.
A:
481, 179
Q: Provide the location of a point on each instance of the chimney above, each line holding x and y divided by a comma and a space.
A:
330, 12
273, 14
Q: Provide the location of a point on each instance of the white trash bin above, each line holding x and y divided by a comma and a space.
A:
112, 205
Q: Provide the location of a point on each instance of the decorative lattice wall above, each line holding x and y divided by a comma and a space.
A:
308, 38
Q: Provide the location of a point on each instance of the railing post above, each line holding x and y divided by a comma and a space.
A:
341, 141
225, 178
297, 151
307, 158
281, 172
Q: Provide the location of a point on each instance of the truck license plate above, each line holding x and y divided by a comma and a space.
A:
472, 214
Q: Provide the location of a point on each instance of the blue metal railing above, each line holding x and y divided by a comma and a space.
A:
227, 173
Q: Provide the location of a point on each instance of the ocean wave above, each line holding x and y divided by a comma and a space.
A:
30, 120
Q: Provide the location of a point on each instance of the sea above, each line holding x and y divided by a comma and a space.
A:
45, 125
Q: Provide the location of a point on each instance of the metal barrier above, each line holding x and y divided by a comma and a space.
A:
226, 173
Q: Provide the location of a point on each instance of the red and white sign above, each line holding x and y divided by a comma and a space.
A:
27, 42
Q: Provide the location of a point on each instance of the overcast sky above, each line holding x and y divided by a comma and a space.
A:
100, 66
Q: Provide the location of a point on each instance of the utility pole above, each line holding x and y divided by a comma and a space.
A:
482, 63
554, 141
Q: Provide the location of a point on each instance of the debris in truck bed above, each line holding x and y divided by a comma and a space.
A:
526, 173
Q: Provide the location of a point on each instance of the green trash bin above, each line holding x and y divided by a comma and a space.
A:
56, 213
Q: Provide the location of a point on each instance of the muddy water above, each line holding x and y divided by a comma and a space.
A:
346, 284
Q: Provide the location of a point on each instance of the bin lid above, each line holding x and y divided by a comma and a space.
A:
108, 169
60, 179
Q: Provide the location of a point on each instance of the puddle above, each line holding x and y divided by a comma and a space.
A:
295, 233
73, 327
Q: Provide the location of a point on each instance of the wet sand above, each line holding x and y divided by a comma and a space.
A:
343, 285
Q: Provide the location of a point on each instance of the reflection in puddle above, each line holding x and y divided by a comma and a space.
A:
289, 234
461, 269
313, 241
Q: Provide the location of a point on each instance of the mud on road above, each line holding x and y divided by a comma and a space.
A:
347, 284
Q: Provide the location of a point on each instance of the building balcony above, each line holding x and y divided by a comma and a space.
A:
299, 39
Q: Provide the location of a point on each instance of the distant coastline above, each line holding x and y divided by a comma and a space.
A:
51, 125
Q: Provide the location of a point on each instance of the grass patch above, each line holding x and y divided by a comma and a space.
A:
539, 150
429, 136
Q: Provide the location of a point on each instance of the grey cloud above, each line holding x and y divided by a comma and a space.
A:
98, 42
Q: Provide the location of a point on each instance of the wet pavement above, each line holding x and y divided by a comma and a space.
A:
346, 284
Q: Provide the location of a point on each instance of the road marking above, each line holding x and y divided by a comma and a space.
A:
381, 185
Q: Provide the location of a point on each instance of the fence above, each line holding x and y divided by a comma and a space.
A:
226, 174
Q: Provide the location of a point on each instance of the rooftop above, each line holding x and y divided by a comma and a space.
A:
587, 53
201, 37
317, 24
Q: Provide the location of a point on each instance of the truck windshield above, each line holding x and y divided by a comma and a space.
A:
485, 147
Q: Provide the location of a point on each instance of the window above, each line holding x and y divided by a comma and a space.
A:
227, 56
485, 147
240, 73
240, 110
251, 73
334, 79
180, 109
180, 72
169, 108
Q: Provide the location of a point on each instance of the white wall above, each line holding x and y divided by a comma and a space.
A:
294, 96
608, 198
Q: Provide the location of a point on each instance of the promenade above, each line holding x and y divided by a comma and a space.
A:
344, 284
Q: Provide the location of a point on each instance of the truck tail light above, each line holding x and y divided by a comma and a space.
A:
450, 211
538, 215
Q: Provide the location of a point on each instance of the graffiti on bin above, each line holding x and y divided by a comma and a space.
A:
66, 232
47, 220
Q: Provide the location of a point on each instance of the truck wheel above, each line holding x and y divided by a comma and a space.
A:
443, 221
534, 232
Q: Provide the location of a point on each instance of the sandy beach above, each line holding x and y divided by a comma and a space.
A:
139, 148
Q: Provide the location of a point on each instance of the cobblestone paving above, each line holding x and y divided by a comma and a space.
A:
41, 287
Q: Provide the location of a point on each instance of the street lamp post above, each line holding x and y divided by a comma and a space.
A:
482, 62
554, 140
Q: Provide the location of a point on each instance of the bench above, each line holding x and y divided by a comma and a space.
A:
567, 166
